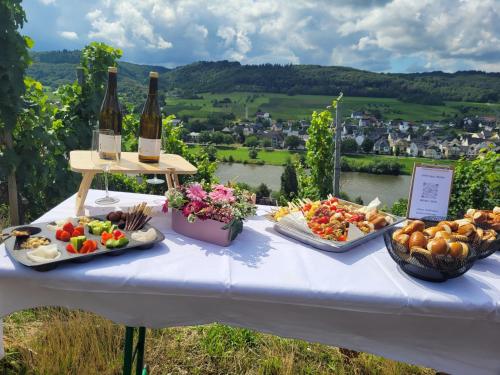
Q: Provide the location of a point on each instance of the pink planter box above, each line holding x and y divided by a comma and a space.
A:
204, 230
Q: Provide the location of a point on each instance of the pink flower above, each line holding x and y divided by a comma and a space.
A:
195, 192
222, 194
193, 208
165, 207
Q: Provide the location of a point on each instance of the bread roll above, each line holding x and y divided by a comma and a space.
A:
417, 239
438, 246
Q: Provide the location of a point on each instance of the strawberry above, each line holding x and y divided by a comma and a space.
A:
68, 227
78, 231
58, 234
65, 236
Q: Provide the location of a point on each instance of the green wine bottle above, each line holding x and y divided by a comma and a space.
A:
110, 117
150, 125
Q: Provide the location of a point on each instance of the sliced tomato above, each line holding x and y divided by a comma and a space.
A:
70, 249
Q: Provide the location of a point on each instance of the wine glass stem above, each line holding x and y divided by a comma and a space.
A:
106, 181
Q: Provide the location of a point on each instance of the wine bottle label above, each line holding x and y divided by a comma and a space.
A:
149, 147
110, 143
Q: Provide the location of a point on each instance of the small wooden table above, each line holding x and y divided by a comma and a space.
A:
170, 165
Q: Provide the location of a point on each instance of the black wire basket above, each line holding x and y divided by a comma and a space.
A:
482, 249
435, 269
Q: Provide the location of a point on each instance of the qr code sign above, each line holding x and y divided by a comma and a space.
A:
430, 190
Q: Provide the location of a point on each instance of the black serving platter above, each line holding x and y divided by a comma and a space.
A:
416, 268
14, 249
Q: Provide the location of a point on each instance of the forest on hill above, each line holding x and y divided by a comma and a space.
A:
57, 67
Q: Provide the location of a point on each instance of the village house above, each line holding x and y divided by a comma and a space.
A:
382, 146
415, 148
404, 126
432, 152
277, 138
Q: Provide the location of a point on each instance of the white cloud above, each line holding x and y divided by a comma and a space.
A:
71, 35
367, 34
47, 2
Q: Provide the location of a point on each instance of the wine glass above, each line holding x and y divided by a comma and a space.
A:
104, 154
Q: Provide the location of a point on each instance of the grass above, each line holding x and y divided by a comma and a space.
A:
59, 341
279, 157
299, 107
406, 162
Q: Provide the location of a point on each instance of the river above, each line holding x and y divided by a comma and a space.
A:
368, 186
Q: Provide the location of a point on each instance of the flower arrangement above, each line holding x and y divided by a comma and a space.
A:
225, 204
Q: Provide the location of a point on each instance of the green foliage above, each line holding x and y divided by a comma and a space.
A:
251, 141
42, 168
252, 153
13, 62
289, 183
476, 184
292, 142
399, 207
319, 155
377, 166
130, 128
172, 141
211, 151
95, 60
367, 145
266, 142
349, 146
221, 341
306, 185
80, 105
262, 191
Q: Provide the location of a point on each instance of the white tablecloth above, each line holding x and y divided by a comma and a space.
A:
359, 300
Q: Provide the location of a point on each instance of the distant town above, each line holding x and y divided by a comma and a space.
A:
363, 133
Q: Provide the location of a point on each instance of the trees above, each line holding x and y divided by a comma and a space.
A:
251, 141
319, 155
349, 146
292, 142
262, 191
367, 145
476, 184
217, 137
252, 153
205, 137
289, 183
13, 63
266, 142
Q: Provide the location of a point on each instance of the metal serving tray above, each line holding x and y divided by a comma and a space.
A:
334, 246
13, 245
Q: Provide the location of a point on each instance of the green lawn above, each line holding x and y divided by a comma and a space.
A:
279, 157
407, 162
298, 107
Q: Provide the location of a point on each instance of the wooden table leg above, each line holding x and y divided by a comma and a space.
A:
176, 180
170, 183
87, 178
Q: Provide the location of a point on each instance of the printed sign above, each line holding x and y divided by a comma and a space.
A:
430, 191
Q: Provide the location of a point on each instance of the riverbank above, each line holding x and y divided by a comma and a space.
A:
280, 157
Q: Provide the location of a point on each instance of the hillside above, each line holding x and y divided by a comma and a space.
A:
57, 67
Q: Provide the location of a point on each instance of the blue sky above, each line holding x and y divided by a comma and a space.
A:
377, 35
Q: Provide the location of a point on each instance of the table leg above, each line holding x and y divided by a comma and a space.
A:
87, 178
130, 354
128, 350
176, 180
140, 351
168, 178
